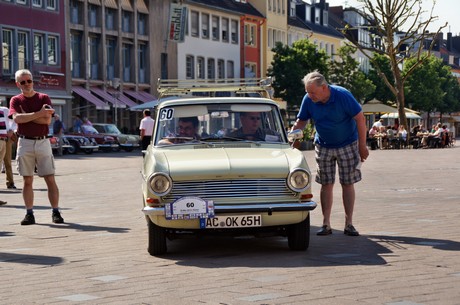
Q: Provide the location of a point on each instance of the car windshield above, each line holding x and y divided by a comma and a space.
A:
108, 128
87, 129
219, 122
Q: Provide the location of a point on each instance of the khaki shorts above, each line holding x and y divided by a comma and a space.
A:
33, 153
348, 160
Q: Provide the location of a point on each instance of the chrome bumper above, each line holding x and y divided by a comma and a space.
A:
251, 208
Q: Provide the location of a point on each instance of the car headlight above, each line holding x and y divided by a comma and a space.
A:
160, 184
298, 180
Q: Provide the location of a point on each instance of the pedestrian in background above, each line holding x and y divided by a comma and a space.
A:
32, 113
9, 140
146, 129
58, 131
340, 139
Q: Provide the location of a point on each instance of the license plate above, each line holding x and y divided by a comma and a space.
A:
240, 221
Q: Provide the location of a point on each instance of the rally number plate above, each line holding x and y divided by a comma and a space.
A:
240, 221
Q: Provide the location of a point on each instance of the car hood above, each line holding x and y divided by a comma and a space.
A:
233, 163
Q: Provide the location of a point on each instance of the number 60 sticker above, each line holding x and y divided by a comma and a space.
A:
166, 114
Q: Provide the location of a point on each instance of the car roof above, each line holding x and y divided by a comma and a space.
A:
215, 100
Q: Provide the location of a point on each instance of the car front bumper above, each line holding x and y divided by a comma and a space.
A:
249, 208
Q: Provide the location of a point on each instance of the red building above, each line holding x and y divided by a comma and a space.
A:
33, 35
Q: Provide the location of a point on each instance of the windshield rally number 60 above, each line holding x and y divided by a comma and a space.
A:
166, 114
189, 208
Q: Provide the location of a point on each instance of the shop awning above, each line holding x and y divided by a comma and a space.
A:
122, 98
90, 98
107, 97
148, 96
137, 95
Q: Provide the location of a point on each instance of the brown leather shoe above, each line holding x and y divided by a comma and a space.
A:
324, 231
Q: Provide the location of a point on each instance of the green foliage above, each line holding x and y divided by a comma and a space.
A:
290, 65
308, 132
381, 93
431, 86
345, 72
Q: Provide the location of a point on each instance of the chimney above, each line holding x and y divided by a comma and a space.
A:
449, 42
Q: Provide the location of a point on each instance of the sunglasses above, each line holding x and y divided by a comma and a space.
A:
29, 81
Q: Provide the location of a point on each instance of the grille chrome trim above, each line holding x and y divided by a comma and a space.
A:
238, 190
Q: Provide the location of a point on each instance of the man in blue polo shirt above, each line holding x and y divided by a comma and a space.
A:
340, 139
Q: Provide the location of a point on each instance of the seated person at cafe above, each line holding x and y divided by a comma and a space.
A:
414, 137
187, 131
250, 129
402, 135
383, 137
372, 140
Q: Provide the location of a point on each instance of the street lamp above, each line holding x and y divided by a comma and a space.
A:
116, 95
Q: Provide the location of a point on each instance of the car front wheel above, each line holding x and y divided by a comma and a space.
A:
157, 239
299, 235
72, 149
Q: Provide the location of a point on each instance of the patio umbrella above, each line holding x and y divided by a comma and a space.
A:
395, 115
376, 106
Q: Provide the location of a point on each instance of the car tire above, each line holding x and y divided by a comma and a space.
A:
128, 149
299, 235
72, 149
157, 239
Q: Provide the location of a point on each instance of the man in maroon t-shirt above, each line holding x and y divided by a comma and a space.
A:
32, 113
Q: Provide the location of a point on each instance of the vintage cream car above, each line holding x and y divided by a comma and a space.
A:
205, 173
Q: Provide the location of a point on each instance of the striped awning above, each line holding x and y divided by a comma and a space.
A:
96, 2
111, 4
122, 98
141, 7
107, 97
85, 94
126, 5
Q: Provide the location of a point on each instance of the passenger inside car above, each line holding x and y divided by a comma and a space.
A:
251, 129
187, 131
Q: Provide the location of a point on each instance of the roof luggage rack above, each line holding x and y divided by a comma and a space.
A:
213, 87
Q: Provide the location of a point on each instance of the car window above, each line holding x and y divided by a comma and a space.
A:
87, 129
219, 122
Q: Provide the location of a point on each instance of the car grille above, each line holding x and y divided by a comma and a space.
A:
234, 191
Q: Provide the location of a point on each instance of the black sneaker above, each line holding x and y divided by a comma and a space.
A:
57, 218
11, 186
29, 219
2, 202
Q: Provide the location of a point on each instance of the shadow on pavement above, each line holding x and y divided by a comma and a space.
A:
30, 259
86, 228
333, 250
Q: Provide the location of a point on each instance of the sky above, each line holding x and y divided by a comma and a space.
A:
446, 10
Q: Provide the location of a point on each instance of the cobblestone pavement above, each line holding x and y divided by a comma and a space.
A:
407, 211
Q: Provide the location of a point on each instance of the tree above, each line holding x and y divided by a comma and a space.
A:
381, 63
290, 65
345, 72
386, 19
431, 86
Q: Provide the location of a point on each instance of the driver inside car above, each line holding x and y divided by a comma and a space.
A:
250, 129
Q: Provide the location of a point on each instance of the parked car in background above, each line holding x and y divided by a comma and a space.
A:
127, 142
203, 174
105, 143
74, 144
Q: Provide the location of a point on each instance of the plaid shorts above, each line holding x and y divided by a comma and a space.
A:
346, 157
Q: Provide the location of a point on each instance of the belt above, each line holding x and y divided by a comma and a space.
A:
3, 139
34, 138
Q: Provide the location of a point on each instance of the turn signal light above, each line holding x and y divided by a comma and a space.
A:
306, 197
152, 201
